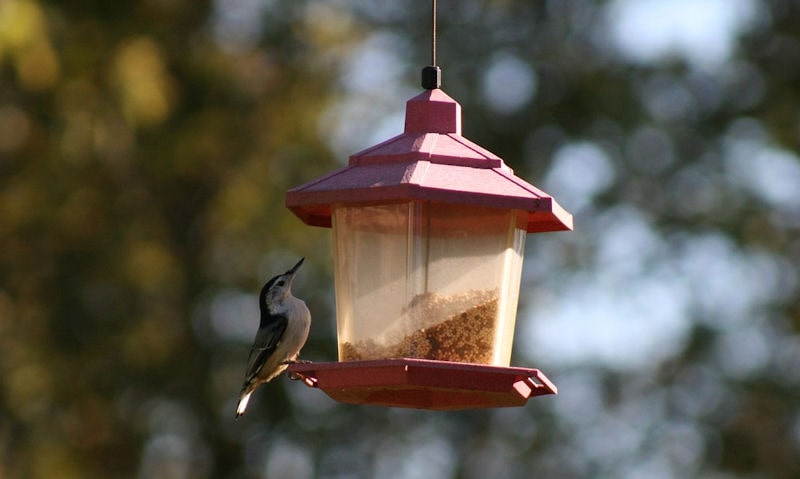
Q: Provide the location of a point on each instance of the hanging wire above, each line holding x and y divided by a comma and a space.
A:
432, 74
433, 33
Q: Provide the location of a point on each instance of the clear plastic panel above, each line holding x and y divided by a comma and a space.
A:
427, 280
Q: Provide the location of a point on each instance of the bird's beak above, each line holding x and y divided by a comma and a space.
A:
295, 267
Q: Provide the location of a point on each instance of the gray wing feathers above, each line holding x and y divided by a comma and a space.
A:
267, 339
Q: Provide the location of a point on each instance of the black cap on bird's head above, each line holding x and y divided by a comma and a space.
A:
279, 285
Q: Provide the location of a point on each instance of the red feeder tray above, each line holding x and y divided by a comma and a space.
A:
424, 384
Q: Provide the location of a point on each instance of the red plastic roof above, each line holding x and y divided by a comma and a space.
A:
429, 161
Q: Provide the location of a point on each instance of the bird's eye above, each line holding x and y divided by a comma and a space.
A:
281, 283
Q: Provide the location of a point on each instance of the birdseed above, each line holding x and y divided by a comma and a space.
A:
465, 336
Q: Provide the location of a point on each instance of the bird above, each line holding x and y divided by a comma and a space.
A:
282, 333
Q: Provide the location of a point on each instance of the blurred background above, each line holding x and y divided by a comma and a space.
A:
146, 147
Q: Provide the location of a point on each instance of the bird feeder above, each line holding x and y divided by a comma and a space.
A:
428, 237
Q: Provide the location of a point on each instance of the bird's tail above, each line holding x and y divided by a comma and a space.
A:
243, 400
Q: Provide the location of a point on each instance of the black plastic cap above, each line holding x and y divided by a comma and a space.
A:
431, 77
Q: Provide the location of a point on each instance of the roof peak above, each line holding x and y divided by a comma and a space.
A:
433, 111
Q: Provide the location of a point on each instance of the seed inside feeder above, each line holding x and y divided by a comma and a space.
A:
466, 334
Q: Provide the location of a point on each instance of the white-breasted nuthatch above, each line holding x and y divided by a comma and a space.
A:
285, 321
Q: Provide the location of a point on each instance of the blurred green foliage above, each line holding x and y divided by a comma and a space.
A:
145, 150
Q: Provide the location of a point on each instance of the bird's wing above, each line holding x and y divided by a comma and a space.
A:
267, 338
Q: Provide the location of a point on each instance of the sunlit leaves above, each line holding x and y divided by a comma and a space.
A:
146, 90
25, 40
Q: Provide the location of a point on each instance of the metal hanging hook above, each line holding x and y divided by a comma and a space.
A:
432, 74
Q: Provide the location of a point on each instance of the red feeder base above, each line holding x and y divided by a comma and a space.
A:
424, 384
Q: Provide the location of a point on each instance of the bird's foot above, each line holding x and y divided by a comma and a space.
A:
297, 361
293, 375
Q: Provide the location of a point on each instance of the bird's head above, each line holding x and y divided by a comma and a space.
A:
277, 289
